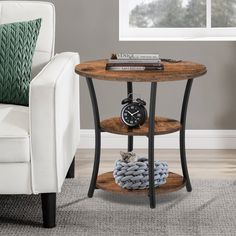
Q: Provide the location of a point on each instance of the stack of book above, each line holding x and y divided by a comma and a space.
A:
134, 62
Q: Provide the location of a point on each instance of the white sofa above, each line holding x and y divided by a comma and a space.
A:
38, 143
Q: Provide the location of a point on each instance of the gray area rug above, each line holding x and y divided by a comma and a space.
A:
209, 210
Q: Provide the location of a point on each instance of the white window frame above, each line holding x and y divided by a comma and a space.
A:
127, 33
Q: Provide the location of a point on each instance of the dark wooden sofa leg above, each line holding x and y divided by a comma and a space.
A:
49, 209
71, 171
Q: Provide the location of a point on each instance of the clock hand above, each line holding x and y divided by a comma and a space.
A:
135, 112
130, 113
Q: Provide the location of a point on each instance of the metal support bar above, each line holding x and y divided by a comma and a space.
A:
151, 136
97, 137
182, 135
130, 94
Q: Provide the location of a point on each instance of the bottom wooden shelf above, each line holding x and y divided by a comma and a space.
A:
106, 182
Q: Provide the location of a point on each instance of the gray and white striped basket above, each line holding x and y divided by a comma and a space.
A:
134, 175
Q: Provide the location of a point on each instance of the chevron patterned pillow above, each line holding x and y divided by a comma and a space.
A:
17, 46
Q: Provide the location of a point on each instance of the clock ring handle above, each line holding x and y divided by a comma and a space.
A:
131, 94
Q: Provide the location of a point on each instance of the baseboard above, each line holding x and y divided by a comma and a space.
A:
195, 139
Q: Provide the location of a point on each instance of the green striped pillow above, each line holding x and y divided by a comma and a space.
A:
17, 46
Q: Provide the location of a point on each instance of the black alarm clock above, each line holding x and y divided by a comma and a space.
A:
134, 113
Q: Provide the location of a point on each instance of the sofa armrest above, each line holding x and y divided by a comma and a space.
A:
54, 122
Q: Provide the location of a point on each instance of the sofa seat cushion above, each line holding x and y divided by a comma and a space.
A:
14, 134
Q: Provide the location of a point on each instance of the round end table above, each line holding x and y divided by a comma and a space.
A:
154, 125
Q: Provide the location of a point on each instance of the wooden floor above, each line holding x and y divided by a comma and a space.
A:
203, 164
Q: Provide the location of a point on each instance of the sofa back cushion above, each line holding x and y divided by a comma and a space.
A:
18, 11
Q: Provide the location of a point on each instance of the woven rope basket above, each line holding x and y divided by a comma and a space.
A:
134, 175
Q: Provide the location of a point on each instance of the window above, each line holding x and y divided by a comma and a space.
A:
189, 20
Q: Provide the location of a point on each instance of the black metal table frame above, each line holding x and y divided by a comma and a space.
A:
150, 136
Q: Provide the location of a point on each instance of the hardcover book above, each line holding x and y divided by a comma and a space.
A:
135, 56
135, 68
134, 62
118, 61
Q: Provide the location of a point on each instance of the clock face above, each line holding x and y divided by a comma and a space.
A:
133, 115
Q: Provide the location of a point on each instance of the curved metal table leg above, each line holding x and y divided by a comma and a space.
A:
182, 135
151, 136
97, 137
130, 93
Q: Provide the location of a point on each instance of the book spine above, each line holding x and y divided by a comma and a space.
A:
137, 56
119, 61
136, 64
134, 68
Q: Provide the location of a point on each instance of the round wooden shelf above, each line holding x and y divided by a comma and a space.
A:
106, 182
173, 71
162, 126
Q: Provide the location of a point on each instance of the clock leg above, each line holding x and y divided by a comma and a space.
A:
152, 197
130, 94
97, 137
182, 135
